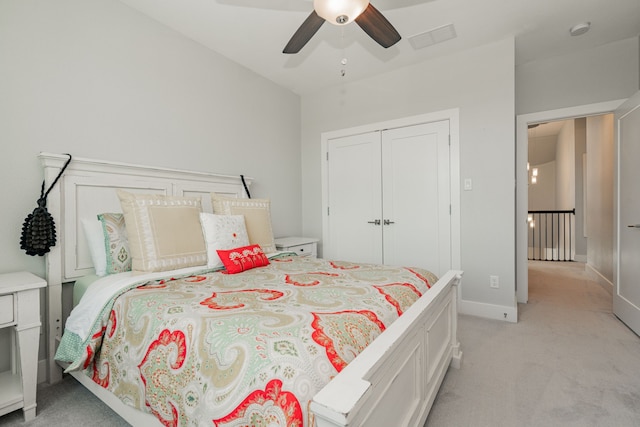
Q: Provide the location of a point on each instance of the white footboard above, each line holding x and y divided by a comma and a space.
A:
394, 381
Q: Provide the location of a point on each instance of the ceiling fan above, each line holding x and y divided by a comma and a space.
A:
342, 12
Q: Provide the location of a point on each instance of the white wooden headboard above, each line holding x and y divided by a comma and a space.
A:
88, 188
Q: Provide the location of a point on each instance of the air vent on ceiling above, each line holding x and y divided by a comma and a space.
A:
434, 36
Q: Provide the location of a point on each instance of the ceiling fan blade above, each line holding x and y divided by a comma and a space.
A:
300, 38
377, 27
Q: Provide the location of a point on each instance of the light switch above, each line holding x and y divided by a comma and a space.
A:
468, 184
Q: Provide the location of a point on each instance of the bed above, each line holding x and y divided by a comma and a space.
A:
298, 369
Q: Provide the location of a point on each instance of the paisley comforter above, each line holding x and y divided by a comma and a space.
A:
248, 349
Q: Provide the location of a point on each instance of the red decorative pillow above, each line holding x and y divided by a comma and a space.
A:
241, 259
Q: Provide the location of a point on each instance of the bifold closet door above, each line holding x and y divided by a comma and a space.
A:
416, 196
355, 200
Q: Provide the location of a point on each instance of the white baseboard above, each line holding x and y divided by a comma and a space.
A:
581, 258
489, 311
603, 281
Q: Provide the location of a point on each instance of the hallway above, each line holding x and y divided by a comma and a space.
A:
567, 362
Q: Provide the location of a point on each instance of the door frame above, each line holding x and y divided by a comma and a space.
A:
452, 115
522, 195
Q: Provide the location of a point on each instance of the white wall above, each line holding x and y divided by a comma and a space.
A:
581, 150
600, 182
542, 194
605, 73
481, 84
566, 167
566, 188
97, 79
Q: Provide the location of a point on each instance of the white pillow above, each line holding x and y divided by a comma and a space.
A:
222, 232
95, 239
257, 218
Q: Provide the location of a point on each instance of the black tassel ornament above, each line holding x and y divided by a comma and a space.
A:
39, 228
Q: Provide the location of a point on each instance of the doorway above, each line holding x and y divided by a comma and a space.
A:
556, 153
522, 225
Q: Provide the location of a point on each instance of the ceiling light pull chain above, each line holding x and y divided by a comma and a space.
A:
343, 62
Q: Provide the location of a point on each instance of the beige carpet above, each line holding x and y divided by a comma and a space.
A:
567, 362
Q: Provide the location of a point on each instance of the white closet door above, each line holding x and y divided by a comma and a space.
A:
416, 197
626, 295
355, 204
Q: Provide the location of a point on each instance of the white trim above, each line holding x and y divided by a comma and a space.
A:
57, 161
453, 115
598, 276
522, 282
489, 311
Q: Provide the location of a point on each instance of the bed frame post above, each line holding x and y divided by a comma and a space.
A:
456, 358
53, 267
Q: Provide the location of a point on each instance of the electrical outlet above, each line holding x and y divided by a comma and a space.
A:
494, 282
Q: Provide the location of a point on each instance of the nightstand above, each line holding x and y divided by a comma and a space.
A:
20, 309
303, 246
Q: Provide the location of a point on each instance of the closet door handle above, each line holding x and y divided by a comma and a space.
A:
387, 222
634, 226
376, 222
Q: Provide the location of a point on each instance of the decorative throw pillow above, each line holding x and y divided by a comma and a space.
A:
164, 231
257, 218
116, 243
94, 235
222, 232
242, 259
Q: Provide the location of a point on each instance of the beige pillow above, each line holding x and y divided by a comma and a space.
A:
257, 218
164, 231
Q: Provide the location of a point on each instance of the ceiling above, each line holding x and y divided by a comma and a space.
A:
254, 32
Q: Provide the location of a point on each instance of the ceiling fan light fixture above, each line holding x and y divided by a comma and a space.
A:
339, 12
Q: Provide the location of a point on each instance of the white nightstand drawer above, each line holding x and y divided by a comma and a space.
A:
6, 309
304, 250
303, 246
